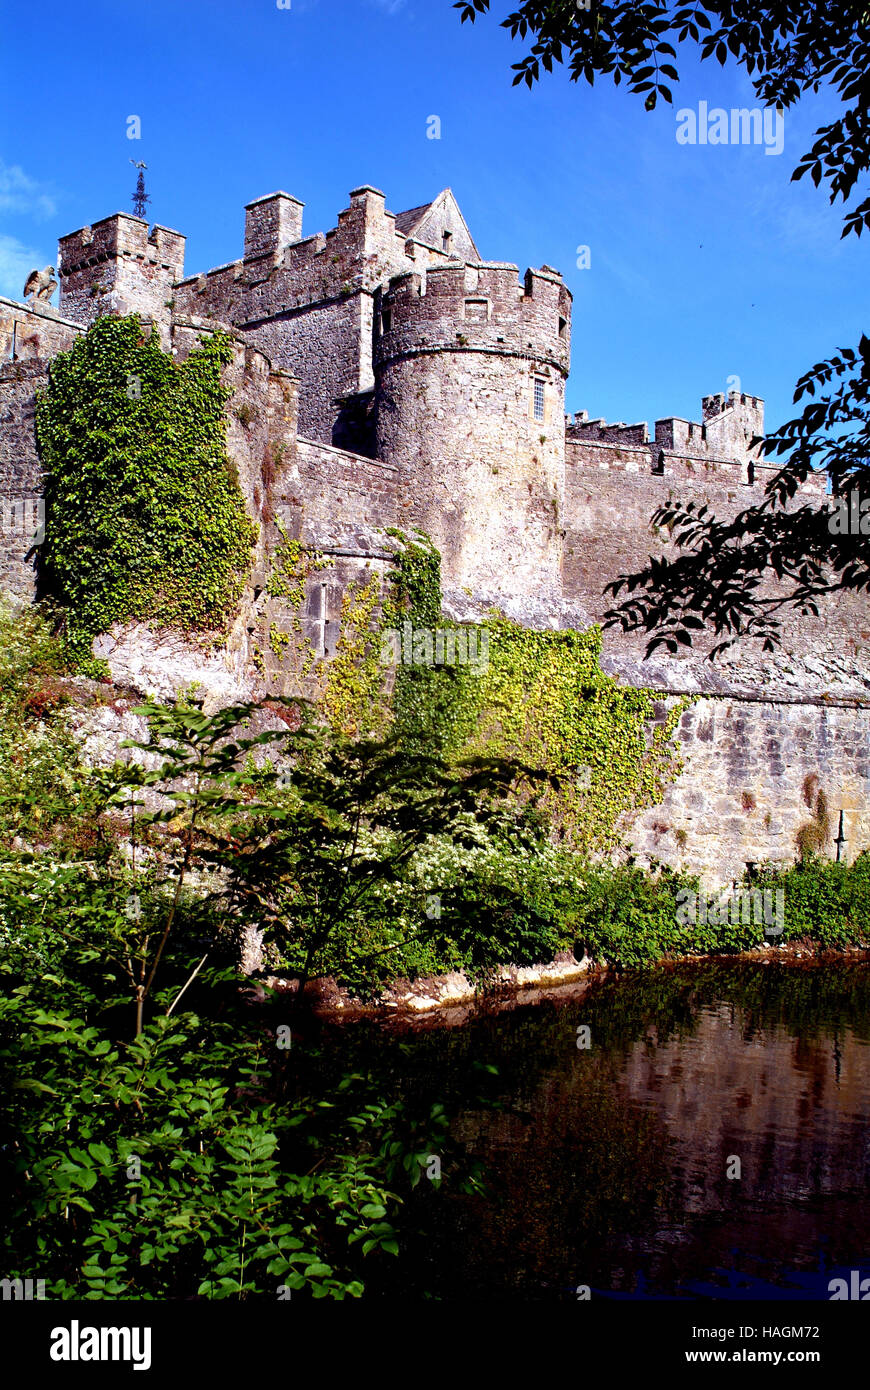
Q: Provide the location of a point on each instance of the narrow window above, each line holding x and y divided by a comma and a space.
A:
386, 320
446, 241
563, 328
320, 619
539, 399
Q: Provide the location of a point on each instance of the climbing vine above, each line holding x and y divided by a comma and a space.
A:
354, 699
544, 698
428, 703
538, 696
143, 516
415, 581
145, 520
292, 565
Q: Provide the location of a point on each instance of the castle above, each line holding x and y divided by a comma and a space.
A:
386, 375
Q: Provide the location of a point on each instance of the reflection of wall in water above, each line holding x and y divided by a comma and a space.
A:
772, 1099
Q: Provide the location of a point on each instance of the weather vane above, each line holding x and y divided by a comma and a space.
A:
140, 197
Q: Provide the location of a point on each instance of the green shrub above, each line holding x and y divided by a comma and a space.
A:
826, 902
208, 1155
43, 796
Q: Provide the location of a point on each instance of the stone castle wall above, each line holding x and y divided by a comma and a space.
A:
337, 504
384, 375
21, 476
727, 432
327, 338
20, 467
611, 494
34, 330
338, 501
29, 337
751, 766
612, 491
118, 266
309, 302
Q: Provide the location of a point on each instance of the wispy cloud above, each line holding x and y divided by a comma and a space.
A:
20, 193
16, 263
632, 280
390, 6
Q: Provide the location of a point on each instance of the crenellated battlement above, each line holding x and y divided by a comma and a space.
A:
118, 266
732, 422
734, 400
271, 223
121, 236
724, 435
309, 301
477, 307
470, 368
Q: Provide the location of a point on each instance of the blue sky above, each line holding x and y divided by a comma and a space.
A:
707, 263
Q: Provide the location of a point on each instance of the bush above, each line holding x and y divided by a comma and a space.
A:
826, 902
41, 777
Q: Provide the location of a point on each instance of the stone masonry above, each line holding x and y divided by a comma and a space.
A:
385, 375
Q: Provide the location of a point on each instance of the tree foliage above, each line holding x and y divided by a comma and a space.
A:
787, 50
344, 819
738, 577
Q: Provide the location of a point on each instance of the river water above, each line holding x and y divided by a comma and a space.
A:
711, 1142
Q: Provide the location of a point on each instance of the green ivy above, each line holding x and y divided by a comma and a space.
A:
291, 566
143, 517
542, 698
415, 581
429, 703
353, 696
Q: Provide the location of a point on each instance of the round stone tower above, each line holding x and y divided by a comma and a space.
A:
470, 371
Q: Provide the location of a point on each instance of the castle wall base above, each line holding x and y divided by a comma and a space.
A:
753, 773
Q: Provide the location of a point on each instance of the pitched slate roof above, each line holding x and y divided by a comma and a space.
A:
407, 221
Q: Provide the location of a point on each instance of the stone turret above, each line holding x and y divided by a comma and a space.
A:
117, 266
731, 423
470, 371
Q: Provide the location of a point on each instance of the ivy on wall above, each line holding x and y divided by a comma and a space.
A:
428, 702
538, 696
354, 698
415, 581
291, 565
144, 518
544, 698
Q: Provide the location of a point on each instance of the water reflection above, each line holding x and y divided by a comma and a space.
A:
610, 1167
